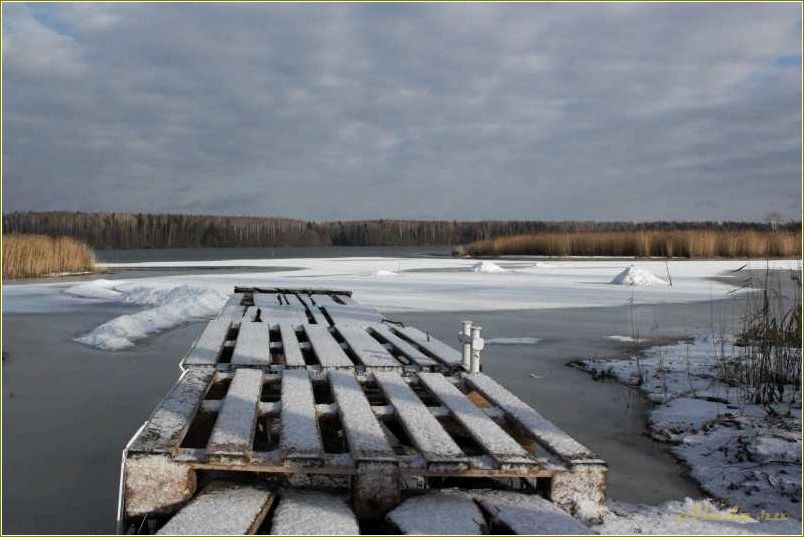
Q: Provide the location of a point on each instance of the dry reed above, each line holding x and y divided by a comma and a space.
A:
689, 243
27, 256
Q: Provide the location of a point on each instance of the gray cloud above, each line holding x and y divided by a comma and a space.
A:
618, 111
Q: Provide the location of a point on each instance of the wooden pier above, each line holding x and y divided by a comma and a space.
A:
308, 388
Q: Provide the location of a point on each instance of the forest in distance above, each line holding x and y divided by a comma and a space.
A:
110, 230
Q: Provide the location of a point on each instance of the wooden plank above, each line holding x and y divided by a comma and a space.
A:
352, 314
313, 309
363, 432
401, 345
324, 300
165, 430
253, 345
368, 350
300, 437
546, 433
441, 350
302, 512
327, 350
276, 314
207, 348
490, 436
425, 431
530, 514
290, 346
233, 308
233, 432
251, 313
222, 509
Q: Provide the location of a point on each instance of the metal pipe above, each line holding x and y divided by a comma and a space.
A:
467, 344
477, 346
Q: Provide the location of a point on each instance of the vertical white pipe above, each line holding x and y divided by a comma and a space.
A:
475, 363
467, 345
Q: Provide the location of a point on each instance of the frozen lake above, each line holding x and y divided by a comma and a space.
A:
69, 408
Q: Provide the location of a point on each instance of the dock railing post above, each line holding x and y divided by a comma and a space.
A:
477, 344
467, 344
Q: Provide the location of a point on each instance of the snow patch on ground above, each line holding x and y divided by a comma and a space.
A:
513, 341
171, 305
488, 266
736, 450
636, 276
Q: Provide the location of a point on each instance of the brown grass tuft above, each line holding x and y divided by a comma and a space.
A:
28, 256
689, 243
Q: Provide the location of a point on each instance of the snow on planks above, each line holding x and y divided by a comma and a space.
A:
233, 433
332, 330
222, 509
300, 436
310, 383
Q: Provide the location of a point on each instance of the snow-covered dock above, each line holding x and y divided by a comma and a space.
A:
307, 388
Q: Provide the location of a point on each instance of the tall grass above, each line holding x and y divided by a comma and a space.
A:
689, 243
27, 256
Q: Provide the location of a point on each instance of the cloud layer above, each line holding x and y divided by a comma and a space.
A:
616, 111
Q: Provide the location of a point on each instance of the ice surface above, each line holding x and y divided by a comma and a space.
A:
513, 341
428, 285
313, 513
634, 275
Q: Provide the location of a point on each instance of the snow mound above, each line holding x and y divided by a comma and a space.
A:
172, 305
624, 339
513, 341
97, 289
487, 266
383, 273
634, 275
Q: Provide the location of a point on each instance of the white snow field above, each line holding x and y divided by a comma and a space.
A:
738, 452
425, 284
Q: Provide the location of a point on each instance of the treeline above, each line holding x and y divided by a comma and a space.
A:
129, 230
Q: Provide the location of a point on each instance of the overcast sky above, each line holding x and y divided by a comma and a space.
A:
608, 112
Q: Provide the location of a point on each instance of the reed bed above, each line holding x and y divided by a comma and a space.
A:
28, 256
691, 243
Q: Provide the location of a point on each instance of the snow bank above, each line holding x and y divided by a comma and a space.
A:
172, 305
487, 266
513, 341
634, 275
734, 449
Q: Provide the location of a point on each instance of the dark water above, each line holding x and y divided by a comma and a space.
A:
280, 252
68, 410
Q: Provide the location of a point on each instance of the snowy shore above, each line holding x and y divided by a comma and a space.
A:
743, 455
